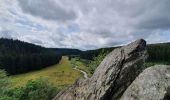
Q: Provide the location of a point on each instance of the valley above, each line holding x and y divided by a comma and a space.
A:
32, 71
60, 75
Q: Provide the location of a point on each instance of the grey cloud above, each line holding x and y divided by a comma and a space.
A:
95, 23
115, 43
159, 22
36, 41
156, 16
138, 19
47, 9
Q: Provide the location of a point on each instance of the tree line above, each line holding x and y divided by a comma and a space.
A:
20, 57
91, 54
157, 53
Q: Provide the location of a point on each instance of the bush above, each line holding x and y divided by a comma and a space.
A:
97, 60
4, 82
6, 98
38, 89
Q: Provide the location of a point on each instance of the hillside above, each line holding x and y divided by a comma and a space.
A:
20, 57
66, 51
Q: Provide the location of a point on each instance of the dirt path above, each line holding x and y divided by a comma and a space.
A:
84, 73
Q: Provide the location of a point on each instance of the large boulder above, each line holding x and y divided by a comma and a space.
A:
112, 77
152, 84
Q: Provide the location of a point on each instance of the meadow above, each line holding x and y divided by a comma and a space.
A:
59, 75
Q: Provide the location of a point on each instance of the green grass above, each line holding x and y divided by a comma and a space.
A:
81, 65
60, 75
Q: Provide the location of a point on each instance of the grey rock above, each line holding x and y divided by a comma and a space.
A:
112, 77
152, 84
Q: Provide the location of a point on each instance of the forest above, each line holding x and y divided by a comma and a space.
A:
159, 52
20, 57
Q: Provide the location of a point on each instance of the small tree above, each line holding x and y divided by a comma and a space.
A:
97, 60
39, 89
4, 82
4, 86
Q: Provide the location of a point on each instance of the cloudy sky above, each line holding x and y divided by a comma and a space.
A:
85, 24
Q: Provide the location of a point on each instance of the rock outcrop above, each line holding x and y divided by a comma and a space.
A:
112, 77
152, 84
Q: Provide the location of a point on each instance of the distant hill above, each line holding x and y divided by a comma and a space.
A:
20, 57
67, 51
89, 54
159, 52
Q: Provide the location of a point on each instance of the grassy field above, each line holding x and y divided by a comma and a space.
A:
60, 74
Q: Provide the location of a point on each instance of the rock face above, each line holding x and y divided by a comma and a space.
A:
112, 77
152, 84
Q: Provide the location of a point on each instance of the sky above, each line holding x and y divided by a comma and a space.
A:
85, 24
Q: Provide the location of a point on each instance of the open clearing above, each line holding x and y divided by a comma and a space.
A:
61, 74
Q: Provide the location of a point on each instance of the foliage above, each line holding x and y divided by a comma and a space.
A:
39, 89
90, 54
4, 82
20, 57
97, 60
149, 64
4, 97
159, 53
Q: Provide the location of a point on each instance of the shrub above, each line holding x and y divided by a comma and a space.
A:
4, 82
97, 60
39, 89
